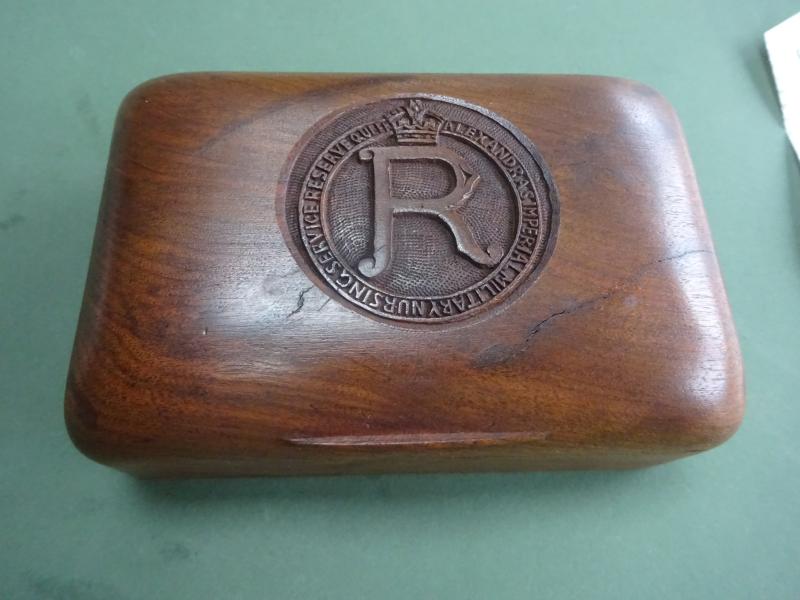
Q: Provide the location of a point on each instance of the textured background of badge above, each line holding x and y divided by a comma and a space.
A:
724, 524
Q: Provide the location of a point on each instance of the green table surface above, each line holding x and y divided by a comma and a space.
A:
724, 524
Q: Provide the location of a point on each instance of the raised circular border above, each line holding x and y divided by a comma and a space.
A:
298, 246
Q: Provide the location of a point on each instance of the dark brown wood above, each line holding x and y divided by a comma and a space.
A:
210, 344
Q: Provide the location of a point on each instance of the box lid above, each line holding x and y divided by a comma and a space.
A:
361, 273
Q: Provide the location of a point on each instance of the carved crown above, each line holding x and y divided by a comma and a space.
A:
414, 125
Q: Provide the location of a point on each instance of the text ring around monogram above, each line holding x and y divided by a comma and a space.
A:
422, 208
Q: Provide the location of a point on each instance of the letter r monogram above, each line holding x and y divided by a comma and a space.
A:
445, 208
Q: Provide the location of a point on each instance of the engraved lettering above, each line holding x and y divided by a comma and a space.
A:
404, 307
445, 208
333, 267
344, 279
357, 290
460, 303
383, 255
318, 248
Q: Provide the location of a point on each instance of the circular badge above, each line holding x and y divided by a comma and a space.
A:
420, 208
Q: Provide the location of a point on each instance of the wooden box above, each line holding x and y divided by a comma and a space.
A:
301, 274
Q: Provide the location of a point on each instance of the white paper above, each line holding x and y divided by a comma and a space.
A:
783, 47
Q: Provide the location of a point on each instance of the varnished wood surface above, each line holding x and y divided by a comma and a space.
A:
204, 348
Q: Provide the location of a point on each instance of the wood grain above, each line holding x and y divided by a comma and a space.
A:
205, 348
